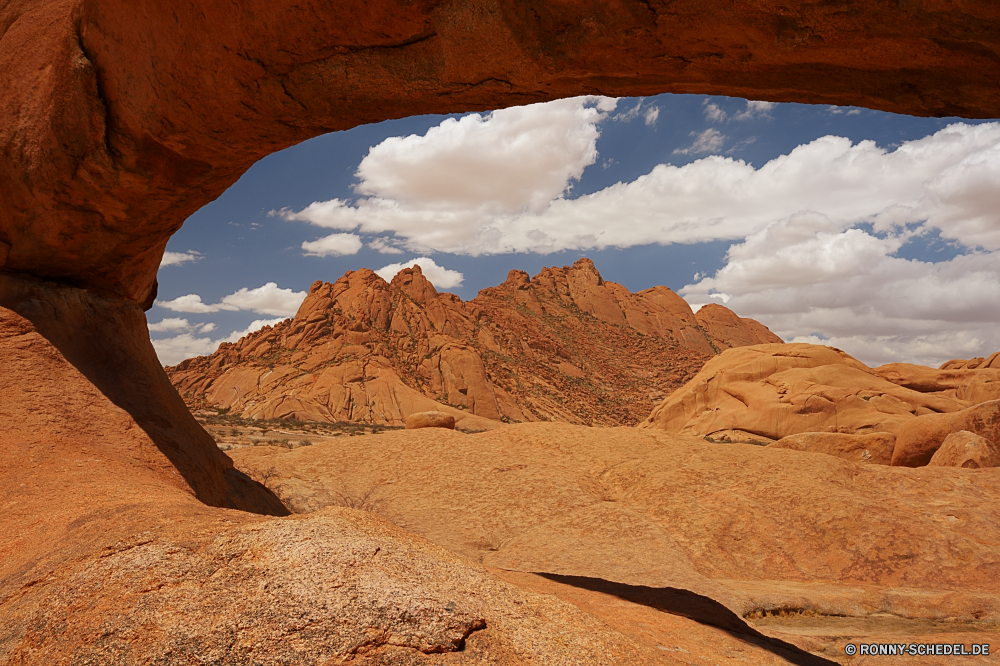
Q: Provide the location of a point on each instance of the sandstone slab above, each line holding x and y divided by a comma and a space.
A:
874, 448
761, 537
967, 450
430, 420
773, 391
917, 441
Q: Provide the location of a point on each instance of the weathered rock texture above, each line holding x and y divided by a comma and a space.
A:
727, 330
562, 346
917, 441
874, 448
120, 119
972, 381
80, 382
818, 550
967, 450
765, 392
430, 420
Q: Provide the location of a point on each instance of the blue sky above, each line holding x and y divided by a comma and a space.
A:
883, 241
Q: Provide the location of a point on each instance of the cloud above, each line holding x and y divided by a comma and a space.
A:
176, 258
713, 111
384, 246
708, 141
810, 280
189, 303
171, 351
836, 110
334, 245
753, 109
439, 276
170, 324
268, 299
943, 181
434, 188
649, 113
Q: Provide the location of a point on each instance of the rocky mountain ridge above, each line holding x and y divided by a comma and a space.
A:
565, 345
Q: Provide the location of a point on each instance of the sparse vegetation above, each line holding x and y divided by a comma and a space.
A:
372, 498
231, 431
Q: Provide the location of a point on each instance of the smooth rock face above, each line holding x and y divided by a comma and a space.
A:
875, 448
120, 119
767, 392
562, 346
966, 449
761, 532
917, 441
80, 378
430, 420
973, 381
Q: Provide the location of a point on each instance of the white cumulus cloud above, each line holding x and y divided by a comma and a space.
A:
334, 245
499, 183
175, 258
810, 280
439, 276
169, 324
268, 299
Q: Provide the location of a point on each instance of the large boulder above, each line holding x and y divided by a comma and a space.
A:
966, 449
874, 448
771, 391
917, 441
430, 420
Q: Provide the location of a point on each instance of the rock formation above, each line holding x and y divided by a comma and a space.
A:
126, 536
122, 119
967, 450
811, 549
874, 448
121, 541
815, 398
430, 420
726, 330
565, 345
765, 392
917, 440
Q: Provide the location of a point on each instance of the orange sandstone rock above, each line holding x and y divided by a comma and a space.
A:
773, 391
917, 441
565, 345
430, 420
874, 448
811, 549
726, 330
966, 449
106, 154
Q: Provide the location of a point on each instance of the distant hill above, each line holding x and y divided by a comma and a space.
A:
562, 346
